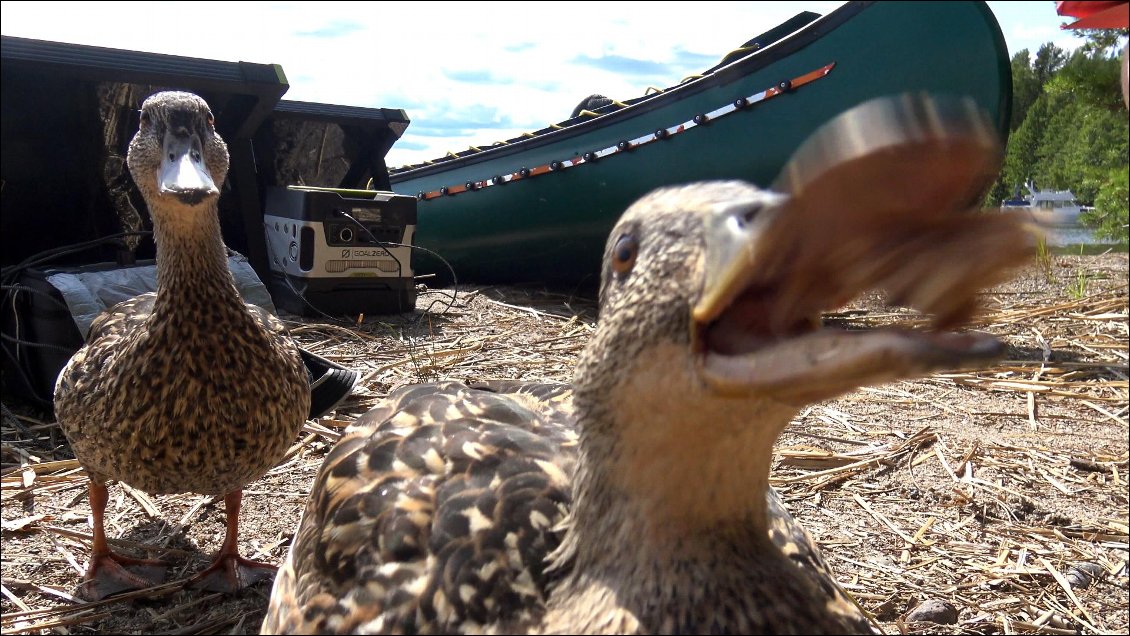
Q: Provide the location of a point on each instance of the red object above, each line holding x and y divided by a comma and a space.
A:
1095, 15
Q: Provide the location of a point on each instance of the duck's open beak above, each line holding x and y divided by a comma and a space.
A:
884, 197
183, 173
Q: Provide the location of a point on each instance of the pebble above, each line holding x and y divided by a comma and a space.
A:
1081, 575
934, 611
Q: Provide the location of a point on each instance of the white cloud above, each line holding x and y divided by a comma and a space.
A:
1029, 25
406, 54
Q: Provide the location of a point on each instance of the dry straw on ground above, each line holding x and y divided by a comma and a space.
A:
1002, 492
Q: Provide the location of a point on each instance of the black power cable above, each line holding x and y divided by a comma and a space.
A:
386, 244
11, 290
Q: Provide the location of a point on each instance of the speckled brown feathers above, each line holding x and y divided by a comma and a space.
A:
188, 389
435, 512
637, 500
195, 421
451, 509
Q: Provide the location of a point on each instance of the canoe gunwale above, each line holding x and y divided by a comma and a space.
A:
552, 229
734, 71
628, 145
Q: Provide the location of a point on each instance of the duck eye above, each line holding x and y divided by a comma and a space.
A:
144, 118
211, 121
624, 254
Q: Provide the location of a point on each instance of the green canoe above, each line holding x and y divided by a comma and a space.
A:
539, 208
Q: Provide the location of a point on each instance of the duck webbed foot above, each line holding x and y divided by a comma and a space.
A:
230, 572
112, 573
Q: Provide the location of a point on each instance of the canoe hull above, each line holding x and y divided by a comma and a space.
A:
551, 227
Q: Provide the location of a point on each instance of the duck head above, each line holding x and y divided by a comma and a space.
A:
711, 334
176, 158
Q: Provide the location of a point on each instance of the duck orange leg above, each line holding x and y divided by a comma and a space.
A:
231, 572
110, 573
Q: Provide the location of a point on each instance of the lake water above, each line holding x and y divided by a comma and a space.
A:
1064, 236
1061, 236
1069, 235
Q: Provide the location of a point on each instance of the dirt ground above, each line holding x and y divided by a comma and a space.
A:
1002, 493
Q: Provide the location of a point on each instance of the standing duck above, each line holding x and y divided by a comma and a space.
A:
187, 389
637, 499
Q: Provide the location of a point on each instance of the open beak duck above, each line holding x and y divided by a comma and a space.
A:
637, 500
188, 389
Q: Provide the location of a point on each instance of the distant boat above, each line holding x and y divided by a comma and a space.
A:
1056, 208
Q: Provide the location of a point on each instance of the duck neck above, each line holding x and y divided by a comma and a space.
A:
670, 519
668, 539
192, 265
671, 493
675, 475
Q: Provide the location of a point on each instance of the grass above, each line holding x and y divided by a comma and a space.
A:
1044, 259
1077, 287
1091, 249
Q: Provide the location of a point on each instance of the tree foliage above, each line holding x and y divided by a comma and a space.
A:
1111, 213
1069, 129
1025, 88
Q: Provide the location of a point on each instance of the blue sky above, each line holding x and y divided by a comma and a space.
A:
466, 73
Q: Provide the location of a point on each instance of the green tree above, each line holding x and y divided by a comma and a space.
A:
1074, 133
1103, 41
1086, 136
1025, 88
1091, 76
1049, 59
1111, 215
1023, 146
1028, 79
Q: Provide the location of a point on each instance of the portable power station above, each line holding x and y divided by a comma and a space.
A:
335, 251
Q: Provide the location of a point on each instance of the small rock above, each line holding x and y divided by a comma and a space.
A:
934, 611
1081, 575
888, 609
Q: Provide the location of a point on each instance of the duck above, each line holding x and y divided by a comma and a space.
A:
636, 498
188, 388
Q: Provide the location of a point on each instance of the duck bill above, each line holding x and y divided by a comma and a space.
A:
829, 363
885, 197
183, 174
732, 233
771, 272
